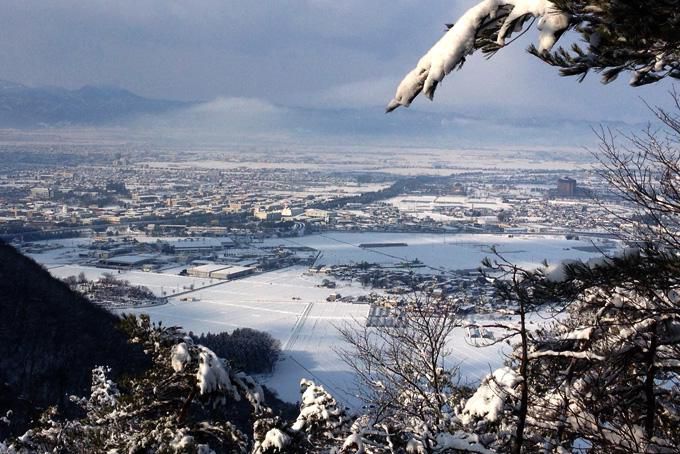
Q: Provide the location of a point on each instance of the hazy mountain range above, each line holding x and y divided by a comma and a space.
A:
27, 107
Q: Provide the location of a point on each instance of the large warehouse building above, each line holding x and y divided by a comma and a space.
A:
220, 271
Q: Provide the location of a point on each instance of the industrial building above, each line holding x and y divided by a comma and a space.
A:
220, 271
198, 245
127, 261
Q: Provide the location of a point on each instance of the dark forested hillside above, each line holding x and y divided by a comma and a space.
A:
51, 338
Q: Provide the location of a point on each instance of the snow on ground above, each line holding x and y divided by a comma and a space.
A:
435, 207
475, 358
407, 160
161, 284
60, 251
418, 203
440, 251
309, 352
334, 190
305, 328
290, 304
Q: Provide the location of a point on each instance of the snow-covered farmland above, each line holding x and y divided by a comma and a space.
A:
291, 305
429, 203
441, 252
161, 284
305, 327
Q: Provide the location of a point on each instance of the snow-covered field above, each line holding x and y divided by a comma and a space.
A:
440, 208
62, 252
440, 251
404, 160
306, 327
290, 304
161, 284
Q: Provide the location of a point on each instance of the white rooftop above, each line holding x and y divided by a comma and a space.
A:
209, 268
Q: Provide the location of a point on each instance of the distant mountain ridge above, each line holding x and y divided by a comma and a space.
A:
25, 107
28, 107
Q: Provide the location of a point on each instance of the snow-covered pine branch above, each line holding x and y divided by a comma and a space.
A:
615, 37
472, 31
492, 397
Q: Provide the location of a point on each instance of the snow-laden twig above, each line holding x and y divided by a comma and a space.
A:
462, 39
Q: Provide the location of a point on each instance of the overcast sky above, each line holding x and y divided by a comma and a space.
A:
312, 53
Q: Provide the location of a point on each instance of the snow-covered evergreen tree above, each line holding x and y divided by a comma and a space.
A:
182, 403
621, 35
608, 374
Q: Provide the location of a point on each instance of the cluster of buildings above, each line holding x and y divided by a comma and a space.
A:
160, 199
157, 199
203, 257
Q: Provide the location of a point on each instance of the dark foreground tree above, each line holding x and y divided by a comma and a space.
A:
616, 36
188, 401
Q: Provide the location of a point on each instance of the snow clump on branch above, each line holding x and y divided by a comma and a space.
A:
489, 401
317, 409
463, 38
213, 375
180, 356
